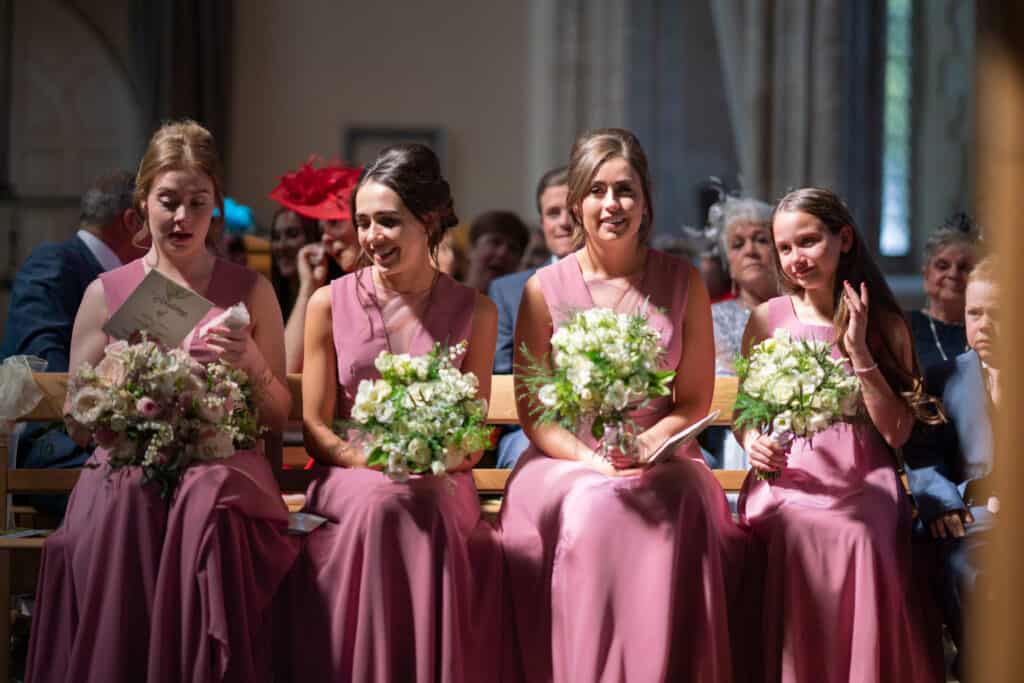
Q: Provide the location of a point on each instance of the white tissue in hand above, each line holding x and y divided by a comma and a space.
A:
234, 318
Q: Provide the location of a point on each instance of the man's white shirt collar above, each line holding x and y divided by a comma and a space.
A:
108, 260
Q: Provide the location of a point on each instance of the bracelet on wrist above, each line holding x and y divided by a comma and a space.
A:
863, 371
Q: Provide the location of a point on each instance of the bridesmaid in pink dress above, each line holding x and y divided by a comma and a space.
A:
839, 603
404, 581
617, 571
135, 588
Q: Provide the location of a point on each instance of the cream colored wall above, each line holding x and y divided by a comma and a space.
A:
306, 70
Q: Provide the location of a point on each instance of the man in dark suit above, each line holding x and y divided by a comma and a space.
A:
950, 466
47, 291
507, 291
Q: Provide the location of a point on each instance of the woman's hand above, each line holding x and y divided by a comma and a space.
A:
237, 349
764, 453
78, 433
856, 335
312, 265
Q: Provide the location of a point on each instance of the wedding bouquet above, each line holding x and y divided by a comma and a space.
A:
422, 415
790, 388
603, 365
161, 410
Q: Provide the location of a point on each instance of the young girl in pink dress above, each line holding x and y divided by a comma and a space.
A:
403, 583
619, 571
136, 588
839, 605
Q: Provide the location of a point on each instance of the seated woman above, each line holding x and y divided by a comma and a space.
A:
403, 582
136, 588
289, 232
839, 602
322, 195
743, 228
949, 256
950, 466
619, 571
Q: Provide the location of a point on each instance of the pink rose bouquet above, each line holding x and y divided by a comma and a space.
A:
161, 410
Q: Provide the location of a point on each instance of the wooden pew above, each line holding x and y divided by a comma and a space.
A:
13, 481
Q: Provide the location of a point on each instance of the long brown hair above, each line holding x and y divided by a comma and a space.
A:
181, 146
856, 266
592, 149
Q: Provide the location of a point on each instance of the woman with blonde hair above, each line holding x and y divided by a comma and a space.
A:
134, 587
619, 570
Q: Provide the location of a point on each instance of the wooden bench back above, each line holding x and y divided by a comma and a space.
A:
501, 411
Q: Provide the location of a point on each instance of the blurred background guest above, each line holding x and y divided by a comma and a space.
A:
289, 232
742, 228
949, 255
497, 240
238, 224
536, 254
451, 257
507, 291
47, 291
321, 194
950, 466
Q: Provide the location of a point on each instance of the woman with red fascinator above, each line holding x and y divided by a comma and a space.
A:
321, 194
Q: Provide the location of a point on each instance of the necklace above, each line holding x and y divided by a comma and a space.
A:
935, 336
375, 300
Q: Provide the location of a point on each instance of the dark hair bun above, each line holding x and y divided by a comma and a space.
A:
413, 172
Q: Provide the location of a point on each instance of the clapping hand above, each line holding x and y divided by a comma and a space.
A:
856, 335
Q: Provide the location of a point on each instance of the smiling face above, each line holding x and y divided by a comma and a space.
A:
613, 208
808, 251
749, 251
555, 220
391, 236
945, 275
179, 209
981, 318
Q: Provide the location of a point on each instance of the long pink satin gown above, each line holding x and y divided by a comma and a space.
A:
404, 581
621, 579
839, 603
135, 588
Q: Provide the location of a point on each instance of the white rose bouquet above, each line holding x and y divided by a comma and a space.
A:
790, 388
161, 410
421, 416
603, 365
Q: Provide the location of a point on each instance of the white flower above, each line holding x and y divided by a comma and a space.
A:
783, 422
419, 452
88, 405
616, 396
817, 422
548, 395
783, 390
384, 411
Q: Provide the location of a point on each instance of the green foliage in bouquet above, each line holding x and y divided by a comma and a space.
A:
421, 416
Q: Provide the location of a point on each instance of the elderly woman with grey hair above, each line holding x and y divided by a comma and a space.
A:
949, 256
742, 227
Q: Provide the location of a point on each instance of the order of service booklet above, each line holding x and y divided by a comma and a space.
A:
163, 309
666, 449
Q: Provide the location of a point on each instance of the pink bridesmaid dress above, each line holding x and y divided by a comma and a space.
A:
621, 579
404, 581
839, 603
135, 588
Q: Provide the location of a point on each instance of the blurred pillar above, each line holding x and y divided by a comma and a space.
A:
997, 621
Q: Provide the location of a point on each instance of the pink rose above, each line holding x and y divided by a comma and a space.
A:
111, 370
147, 407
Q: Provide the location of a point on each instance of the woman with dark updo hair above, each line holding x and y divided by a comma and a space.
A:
400, 584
